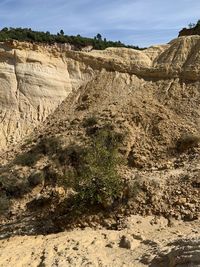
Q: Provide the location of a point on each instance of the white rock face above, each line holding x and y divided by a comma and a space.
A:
35, 79
32, 85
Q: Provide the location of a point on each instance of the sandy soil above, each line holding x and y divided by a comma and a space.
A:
145, 238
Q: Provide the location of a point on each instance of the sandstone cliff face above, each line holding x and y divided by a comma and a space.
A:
178, 59
34, 80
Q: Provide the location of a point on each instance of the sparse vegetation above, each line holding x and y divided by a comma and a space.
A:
51, 175
90, 170
71, 156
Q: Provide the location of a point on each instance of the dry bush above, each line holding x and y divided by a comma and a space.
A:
27, 159
4, 204
49, 145
91, 121
187, 142
46, 146
36, 178
13, 184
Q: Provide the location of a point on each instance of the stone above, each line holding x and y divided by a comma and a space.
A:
138, 237
125, 242
110, 245
181, 200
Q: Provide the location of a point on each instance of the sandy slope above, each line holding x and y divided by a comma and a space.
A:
148, 237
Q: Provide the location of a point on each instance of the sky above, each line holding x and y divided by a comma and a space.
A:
135, 22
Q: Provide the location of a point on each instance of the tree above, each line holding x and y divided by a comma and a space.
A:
5, 29
191, 25
99, 37
62, 32
26, 34
198, 23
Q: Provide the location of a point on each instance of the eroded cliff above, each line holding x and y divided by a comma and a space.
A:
35, 79
33, 82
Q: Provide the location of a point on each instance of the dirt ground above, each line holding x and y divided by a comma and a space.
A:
139, 244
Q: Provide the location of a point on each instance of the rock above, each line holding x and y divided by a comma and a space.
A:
138, 237
170, 222
182, 200
110, 245
190, 216
108, 223
125, 243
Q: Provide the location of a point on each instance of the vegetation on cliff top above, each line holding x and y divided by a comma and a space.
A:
78, 41
193, 29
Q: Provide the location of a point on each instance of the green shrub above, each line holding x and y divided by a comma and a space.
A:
95, 178
187, 142
16, 188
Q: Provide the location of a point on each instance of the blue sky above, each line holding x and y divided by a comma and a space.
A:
137, 22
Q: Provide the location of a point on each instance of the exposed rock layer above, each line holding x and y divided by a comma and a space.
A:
34, 80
